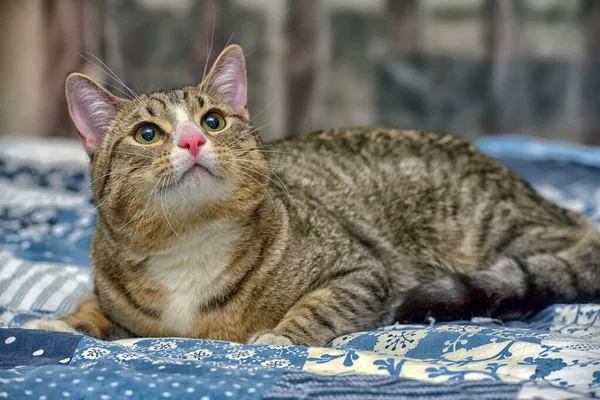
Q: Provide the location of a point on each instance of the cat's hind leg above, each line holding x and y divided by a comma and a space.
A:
87, 319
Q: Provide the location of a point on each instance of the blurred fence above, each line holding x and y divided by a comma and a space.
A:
469, 67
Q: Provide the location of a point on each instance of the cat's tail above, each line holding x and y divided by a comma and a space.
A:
512, 287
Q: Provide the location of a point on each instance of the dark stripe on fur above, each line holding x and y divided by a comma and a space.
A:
336, 276
300, 328
572, 274
347, 300
161, 101
321, 319
508, 238
375, 287
110, 164
219, 302
117, 283
484, 228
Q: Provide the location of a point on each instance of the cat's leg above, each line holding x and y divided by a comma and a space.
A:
87, 319
357, 303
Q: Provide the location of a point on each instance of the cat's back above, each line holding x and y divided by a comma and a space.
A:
423, 173
425, 192
375, 157
374, 145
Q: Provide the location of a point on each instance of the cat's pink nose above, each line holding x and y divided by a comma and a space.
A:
192, 143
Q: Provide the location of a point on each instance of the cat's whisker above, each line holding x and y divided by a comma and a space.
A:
136, 87
266, 146
250, 132
261, 185
229, 40
265, 151
227, 177
260, 162
224, 170
137, 155
116, 88
212, 37
145, 209
254, 162
261, 111
237, 176
119, 172
115, 76
101, 203
280, 185
256, 130
110, 75
185, 202
127, 174
162, 206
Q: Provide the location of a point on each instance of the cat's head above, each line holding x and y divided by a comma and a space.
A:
162, 162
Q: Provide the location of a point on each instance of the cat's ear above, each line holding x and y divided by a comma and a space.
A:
227, 79
92, 108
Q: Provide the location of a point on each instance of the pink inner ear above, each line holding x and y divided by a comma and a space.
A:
91, 109
229, 80
238, 85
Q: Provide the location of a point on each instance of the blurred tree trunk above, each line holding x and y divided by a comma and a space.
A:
404, 26
402, 73
591, 71
39, 48
502, 39
71, 29
211, 34
307, 65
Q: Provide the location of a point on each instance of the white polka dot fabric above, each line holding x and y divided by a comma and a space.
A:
46, 220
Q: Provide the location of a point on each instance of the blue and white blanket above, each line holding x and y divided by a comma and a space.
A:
46, 219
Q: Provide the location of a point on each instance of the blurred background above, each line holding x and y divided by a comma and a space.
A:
467, 67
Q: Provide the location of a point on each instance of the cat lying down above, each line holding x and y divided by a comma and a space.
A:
204, 232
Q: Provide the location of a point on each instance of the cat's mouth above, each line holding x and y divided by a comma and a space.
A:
199, 170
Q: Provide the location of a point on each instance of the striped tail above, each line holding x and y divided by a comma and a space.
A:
512, 287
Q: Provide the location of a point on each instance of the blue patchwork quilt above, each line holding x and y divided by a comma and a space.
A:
46, 219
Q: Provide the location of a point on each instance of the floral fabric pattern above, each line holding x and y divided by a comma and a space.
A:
46, 218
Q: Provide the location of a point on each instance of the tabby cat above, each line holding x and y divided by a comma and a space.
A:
204, 232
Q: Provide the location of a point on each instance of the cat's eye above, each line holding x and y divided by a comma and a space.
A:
147, 134
213, 122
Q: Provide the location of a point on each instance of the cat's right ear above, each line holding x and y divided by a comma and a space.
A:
92, 108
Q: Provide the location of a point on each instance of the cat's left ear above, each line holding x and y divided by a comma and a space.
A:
92, 109
227, 79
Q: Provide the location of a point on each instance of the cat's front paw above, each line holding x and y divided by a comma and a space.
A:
49, 325
270, 339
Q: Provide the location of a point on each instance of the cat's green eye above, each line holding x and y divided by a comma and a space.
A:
147, 134
213, 122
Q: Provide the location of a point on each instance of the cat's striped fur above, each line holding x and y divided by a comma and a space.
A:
333, 232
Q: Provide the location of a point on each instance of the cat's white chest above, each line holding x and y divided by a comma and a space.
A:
188, 272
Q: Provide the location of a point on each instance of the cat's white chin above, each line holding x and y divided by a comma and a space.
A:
196, 186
